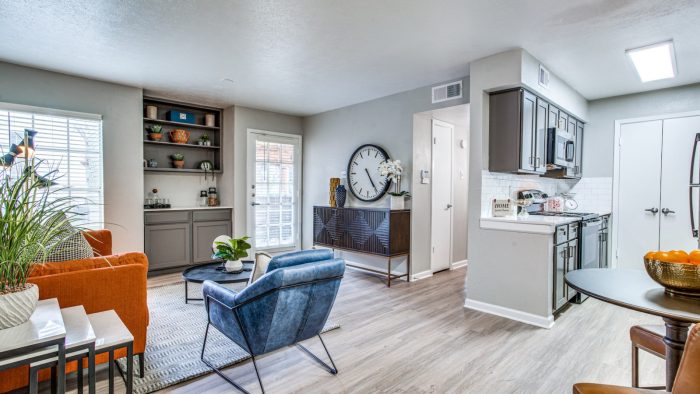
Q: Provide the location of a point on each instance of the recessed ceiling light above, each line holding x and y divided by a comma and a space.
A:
654, 62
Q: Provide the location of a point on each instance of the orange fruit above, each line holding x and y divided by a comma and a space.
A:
651, 255
677, 256
662, 256
694, 257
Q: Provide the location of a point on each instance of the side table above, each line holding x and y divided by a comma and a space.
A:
42, 337
79, 342
111, 335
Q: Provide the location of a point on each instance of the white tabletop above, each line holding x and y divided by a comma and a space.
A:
45, 324
109, 329
79, 331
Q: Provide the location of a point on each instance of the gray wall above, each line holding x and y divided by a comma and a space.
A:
331, 137
232, 183
121, 110
600, 130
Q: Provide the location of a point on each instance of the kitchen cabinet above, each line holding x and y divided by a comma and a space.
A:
565, 259
180, 238
517, 132
579, 151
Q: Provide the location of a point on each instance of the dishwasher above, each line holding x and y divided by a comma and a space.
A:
589, 247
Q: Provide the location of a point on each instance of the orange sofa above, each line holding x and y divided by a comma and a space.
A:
101, 283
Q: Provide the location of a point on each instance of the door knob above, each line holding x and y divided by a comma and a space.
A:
666, 211
449, 206
653, 210
254, 203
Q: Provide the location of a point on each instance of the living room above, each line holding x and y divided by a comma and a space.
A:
306, 196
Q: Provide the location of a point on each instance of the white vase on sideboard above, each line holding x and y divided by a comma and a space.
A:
397, 202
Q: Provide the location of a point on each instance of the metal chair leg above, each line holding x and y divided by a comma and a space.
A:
635, 366
218, 372
333, 370
255, 365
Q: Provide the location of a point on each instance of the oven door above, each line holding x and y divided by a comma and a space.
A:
590, 248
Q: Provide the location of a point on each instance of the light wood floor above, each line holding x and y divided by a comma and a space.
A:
418, 338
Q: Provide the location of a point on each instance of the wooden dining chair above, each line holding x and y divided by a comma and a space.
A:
687, 379
649, 338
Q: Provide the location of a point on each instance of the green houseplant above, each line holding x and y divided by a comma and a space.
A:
232, 251
155, 132
178, 160
33, 221
204, 140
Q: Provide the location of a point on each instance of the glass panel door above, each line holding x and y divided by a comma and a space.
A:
273, 190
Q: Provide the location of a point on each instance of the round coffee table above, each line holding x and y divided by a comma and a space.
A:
200, 273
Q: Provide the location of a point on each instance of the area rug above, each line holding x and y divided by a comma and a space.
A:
174, 341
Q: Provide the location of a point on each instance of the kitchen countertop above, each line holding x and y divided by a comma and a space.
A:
530, 224
185, 208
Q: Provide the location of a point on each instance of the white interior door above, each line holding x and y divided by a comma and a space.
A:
639, 182
274, 185
678, 140
441, 196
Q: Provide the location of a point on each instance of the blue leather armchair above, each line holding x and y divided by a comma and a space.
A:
289, 304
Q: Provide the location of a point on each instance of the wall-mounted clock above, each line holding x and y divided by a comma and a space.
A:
364, 180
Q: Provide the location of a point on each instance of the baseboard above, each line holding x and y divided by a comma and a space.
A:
458, 264
524, 317
421, 275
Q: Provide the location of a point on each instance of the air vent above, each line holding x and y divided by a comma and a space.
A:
449, 91
543, 78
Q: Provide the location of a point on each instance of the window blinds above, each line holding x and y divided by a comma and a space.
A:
70, 143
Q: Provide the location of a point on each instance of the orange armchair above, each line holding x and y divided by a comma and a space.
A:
100, 283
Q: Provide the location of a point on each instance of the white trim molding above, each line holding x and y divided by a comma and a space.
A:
458, 264
524, 317
421, 275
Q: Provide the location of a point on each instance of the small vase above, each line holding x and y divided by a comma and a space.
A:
340, 195
234, 266
397, 202
17, 307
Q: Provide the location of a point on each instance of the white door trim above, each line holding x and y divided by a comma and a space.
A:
432, 169
616, 170
250, 173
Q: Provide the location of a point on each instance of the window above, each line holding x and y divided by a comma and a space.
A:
68, 142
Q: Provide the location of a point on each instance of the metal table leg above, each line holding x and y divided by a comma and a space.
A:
388, 272
676, 335
111, 372
91, 369
79, 372
129, 368
33, 381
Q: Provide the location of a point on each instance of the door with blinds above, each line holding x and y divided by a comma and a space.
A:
68, 146
274, 183
654, 206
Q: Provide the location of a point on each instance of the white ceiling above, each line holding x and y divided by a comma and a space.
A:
308, 56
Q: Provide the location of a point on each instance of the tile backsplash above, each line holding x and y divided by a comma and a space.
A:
592, 194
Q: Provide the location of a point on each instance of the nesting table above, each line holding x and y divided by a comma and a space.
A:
53, 336
212, 272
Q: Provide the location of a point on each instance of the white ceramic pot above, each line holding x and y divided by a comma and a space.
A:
397, 202
234, 266
15, 308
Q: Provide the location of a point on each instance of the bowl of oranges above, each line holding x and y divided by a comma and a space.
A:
676, 270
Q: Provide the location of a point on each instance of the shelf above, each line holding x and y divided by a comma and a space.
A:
180, 145
181, 124
180, 170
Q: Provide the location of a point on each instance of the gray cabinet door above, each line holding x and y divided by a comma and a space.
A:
540, 138
578, 162
204, 235
560, 259
572, 264
553, 119
168, 245
528, 131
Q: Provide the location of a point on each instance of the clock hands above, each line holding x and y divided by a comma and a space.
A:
371, 181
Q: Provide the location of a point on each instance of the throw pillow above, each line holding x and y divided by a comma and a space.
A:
73, 247
262, 260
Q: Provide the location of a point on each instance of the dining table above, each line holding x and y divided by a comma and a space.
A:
634, 289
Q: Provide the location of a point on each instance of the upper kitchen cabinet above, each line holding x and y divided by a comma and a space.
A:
517, 132
528, 134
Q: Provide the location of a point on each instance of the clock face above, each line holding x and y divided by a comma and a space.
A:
364, 180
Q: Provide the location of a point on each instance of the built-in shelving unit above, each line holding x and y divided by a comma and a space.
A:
194, 153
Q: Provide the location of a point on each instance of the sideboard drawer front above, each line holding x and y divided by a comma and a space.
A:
167, 217
208, 215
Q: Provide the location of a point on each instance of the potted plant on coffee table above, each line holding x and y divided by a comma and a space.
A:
178, 160
33, 222
232, 251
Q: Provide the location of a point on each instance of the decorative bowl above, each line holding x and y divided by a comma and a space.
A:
676, 278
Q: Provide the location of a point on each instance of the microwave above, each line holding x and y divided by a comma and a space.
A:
561, 148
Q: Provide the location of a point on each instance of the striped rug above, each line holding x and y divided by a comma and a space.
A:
174, 342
